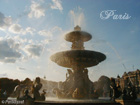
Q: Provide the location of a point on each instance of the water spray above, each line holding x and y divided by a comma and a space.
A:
120, 59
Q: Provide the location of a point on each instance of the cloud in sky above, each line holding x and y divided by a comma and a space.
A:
17, 29
57, 4
37, 10
21, 68
3, 75
33, 50
5, 21
51, 32
20, 40
9, 52
36, 33
46, 41
45, 33
29, 30
19, 49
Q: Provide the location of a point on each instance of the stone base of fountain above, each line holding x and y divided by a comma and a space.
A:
87, 102
129, 102
77, 102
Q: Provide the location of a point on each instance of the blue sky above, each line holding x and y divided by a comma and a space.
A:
32, 30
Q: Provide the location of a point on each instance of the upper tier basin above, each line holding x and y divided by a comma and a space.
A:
78, 35
83, 58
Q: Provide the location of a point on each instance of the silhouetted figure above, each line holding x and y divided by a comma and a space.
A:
129, 93
85, 75
132, 92
43, 96
124, 95
28, 100
26, 96
113, 89
20, 89
36, 87
118, 91
3, 94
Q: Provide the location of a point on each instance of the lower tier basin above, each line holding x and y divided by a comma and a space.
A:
84, 58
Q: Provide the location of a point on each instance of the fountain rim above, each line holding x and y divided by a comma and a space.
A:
75, 51
91, 58
82, 35
77, 101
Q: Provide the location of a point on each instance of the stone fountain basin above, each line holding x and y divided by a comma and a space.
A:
83, 58
78, 35
56, 101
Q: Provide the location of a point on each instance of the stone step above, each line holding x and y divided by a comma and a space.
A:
74, 103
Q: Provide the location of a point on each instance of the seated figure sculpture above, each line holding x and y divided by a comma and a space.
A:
59, 93
129, 93
2, 94
36, 87
115, 90
79, 93
68, 90
69, 75
68, 83
26, 96
28, 100
43, 95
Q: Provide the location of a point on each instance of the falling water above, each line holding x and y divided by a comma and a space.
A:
77, 16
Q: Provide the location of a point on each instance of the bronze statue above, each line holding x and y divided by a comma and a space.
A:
26, 96
116, 91
36, 87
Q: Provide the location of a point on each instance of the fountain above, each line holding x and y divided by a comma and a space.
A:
77, 88
78, 85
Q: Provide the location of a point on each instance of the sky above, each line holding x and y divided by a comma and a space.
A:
33, 30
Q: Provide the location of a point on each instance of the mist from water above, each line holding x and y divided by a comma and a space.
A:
77, 16
116, 52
